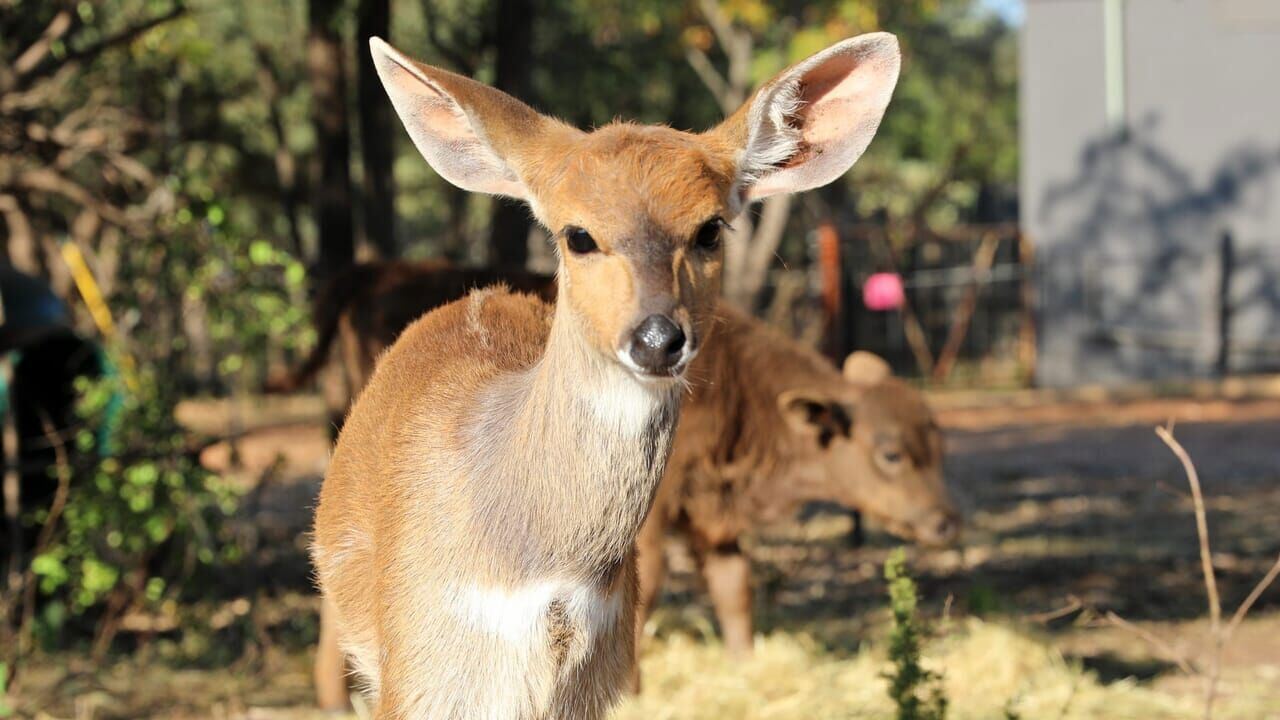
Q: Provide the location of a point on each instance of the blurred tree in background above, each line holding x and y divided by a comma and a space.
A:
210, 158
221, 145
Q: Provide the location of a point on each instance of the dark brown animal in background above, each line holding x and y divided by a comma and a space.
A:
364, 308
771, 425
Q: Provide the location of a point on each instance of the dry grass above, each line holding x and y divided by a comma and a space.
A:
988, 669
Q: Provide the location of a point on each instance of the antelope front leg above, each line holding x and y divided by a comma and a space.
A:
330, 670
728, 575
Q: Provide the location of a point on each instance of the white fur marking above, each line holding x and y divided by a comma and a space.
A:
596, 610
771, 140
519, 616
513, 615
475, 305
624, 401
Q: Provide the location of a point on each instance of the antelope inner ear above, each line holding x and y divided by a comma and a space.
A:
475, 136
810, 123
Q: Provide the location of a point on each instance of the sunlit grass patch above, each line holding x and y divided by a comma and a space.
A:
989, 671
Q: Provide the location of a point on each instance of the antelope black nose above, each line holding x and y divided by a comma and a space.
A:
656, 344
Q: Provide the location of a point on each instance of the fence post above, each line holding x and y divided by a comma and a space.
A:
1027, 340
829, 265
1226, 266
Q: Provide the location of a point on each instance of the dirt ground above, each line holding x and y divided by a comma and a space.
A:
1073, 509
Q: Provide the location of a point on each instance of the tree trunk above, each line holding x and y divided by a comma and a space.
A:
286, 164
769, 230
332, 196
513, 39
21, 247
376, 132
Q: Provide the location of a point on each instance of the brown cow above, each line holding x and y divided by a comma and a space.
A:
771, 425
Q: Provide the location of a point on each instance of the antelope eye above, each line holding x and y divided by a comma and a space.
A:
708, 237
580, 241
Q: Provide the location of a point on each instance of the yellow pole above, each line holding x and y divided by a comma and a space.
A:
98, 310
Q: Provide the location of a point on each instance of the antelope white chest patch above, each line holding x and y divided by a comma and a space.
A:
623, 403
523, 616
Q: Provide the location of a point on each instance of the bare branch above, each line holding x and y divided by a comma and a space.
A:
764, 244
982, 261
21, 244
48, 181
39, 94
710, 77
736, 244
32, 56
126, 35
1245, 606
1155, 642
720, 25
63, 469
737, 46
286, 165
938, 188
1206, 565
459, 59
1073, 604
1202, 526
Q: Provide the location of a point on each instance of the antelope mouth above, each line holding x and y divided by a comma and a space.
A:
658, 375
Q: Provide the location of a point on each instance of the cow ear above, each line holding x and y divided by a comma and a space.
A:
866, 369
812, 413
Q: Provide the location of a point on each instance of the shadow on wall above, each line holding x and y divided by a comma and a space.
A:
1153, 270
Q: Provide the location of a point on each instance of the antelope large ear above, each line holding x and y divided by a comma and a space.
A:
476, 137
866, 369
807, 126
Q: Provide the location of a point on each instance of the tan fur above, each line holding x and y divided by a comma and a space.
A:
364, 308
735, 458
476, 526
739, 461
364, 522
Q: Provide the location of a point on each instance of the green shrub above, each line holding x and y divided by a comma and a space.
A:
141, 515
5, 710
916, 692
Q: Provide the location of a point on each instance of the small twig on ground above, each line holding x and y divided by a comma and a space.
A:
1155, 642
1245, 606
1218, 635
1206, 565
1073, 604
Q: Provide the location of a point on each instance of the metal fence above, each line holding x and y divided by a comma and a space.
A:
969, 310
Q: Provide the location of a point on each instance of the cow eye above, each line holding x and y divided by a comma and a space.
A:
580, 241
708, 236
889, 459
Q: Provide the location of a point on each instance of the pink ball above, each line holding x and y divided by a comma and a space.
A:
883, 291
